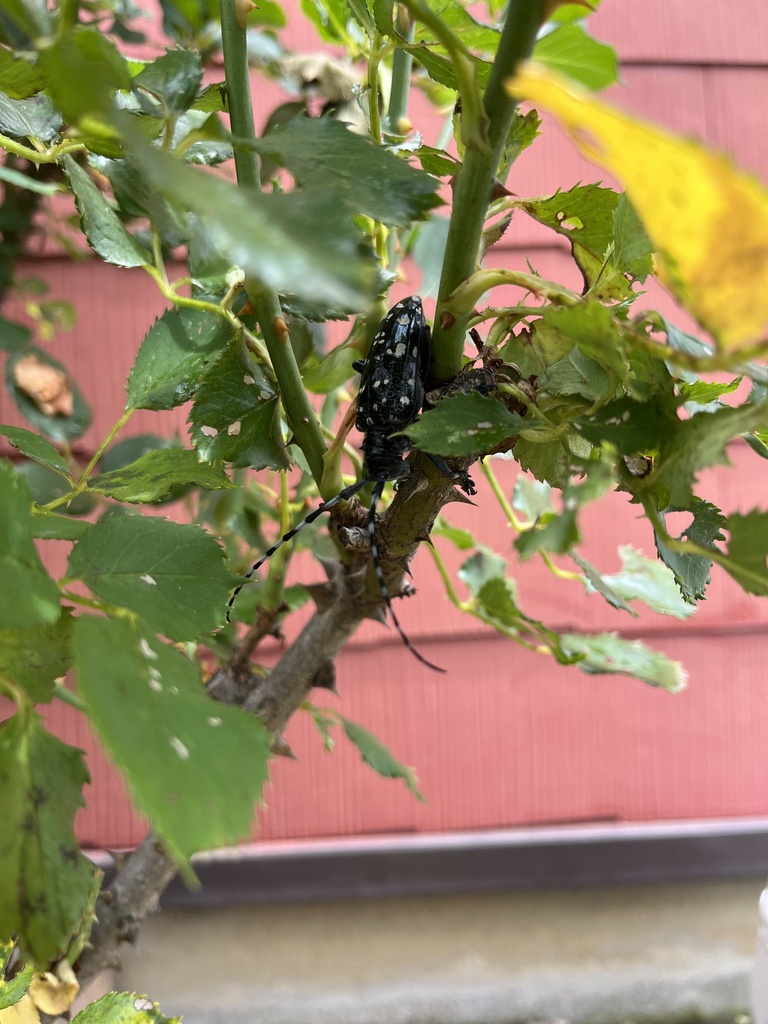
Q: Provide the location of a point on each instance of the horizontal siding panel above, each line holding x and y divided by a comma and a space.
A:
685, 31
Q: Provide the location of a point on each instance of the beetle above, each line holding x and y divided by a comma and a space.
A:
390, 397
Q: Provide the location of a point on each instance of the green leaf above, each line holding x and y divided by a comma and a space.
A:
577, 374
11, 991
479, 568
643, 579
32, 16
379, 757
34, 118
608, 653
194, 767
47, 882
123, 1008
57, 427
532, 498
437, 162
156, 473
19, 78
632, 427
522, 134
329, 18
46, 486
570, 51
549, 462
462, 539
382, 16
703, 392
585, 216
51, 526
428, 252
33, 658
28, 596
598, 336
13, 336
557, 535
322, 153
692, 572
465, 424
295, 242
84, 68
758, 442
170, 574
174, 79
324, 375
101, 225
174, 357
748, 550
236, 416
698, 443
36, 448
632, 252
19, 180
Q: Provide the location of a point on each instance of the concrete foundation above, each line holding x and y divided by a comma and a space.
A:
577, 955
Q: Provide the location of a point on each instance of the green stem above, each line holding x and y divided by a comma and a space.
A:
373, 88
299, 413
68, 697
501, 497
48, 156
82, 481
445, 576
474, 183
474, 120
402, 65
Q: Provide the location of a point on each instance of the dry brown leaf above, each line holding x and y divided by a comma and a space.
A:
54, 991
48, 387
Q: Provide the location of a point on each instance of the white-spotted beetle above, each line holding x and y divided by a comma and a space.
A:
390, 397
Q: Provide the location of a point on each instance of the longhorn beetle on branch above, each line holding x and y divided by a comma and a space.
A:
390, 397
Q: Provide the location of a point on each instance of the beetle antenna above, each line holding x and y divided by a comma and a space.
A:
377, 492
343, 495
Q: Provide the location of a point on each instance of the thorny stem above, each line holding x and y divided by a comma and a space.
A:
474, 183
46, 156
299, 413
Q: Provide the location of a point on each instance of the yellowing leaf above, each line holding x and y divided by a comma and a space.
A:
23, 1012
708, 221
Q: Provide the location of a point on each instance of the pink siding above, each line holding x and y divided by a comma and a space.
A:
508, 737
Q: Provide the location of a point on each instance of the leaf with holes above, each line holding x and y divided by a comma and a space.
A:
174, 357
123, 1008
379, 757
692, 572
235, 417
47, 882
194, 767
154, 475
464, 425
171, 575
